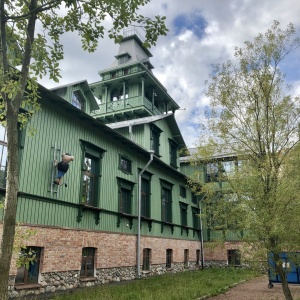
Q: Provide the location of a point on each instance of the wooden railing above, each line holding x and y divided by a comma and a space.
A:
128, 103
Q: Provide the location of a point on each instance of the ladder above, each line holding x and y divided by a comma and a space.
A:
56, 155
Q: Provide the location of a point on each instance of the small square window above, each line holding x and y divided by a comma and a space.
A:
125, 164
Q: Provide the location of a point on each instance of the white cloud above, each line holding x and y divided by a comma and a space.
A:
183, 62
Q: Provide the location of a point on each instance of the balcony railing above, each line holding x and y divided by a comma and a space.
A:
127, 104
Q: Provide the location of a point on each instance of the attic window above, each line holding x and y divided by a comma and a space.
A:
123, 58
77, 100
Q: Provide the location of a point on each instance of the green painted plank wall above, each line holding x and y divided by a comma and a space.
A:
55, 127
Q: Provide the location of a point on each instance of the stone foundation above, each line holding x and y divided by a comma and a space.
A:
63, 281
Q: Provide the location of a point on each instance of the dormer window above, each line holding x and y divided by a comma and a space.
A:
123, 58
77, 100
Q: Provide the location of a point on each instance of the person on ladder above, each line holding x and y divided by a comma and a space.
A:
62, 167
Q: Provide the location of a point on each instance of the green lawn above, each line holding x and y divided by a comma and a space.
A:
186, 285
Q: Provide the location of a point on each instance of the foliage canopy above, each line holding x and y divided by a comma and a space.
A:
254, 122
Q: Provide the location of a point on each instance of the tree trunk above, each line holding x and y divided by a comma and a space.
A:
10, 207
282, 274
12, 180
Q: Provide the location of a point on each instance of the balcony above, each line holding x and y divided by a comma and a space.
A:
129, 104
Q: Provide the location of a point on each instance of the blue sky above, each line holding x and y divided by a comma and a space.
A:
193, 21
201, 33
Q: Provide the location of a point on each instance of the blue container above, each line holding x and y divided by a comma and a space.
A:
290, 260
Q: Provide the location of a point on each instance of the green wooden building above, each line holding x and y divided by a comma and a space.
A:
123, 209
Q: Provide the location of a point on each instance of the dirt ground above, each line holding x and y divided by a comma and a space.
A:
257, 289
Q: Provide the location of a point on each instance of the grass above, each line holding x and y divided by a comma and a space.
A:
186, 285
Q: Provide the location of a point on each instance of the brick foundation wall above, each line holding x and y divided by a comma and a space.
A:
115, 257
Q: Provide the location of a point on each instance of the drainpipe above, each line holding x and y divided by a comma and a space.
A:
201, 237
139, 214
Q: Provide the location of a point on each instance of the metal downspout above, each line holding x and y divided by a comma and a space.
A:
201, 237
139, 215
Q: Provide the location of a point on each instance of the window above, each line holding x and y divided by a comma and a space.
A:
3, 156
194, 198
146, 259
30, 273
87, 262
169, 258
155, 134
182, 191
115, 95
173, 153
122, 94
123, 59
89, 180
113, 74
196, 218
233, 257
125, 196
166, 201
126, 71
125, 164
228, 167
186, 258
197, 257
183, 214
77, 100
91, 173
212, 172
145, 195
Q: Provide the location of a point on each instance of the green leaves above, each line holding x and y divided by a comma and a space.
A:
255, 118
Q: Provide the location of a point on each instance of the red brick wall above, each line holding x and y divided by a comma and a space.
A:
62, 248
218, 251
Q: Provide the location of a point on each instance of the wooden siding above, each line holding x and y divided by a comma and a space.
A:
140, 135
36, 206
